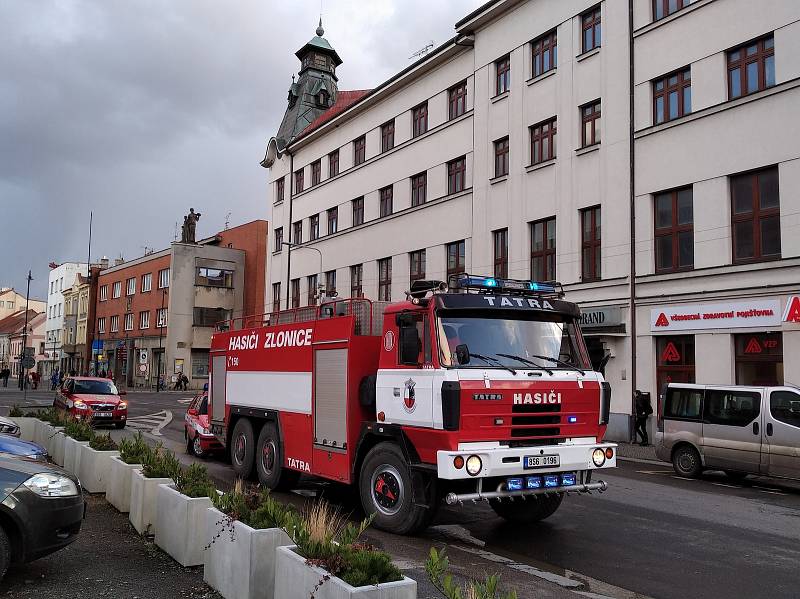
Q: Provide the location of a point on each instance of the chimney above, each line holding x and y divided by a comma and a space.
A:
118, 261
104, 263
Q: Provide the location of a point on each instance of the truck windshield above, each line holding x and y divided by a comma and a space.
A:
547, 340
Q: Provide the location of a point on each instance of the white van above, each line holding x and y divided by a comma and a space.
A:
740, 430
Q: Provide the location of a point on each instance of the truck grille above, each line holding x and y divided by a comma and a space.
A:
530, 421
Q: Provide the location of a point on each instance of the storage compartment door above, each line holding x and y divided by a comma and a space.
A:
330, 398
218, 376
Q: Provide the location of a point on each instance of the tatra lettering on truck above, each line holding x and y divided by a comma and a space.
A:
474, 389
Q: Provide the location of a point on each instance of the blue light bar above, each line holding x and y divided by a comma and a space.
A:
544, 287
533, 482
569, 479
551, 480
514, 484
572, 419
469, 281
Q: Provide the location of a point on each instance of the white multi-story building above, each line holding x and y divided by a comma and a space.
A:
61, 277
647, 160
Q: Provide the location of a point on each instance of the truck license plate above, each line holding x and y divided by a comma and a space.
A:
542, 461
103, 414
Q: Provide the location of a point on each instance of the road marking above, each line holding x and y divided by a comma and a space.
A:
729, 486
656, 472
688, 480
768, 490
561, 581
152, 423
185, 400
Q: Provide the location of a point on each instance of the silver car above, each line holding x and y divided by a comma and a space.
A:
8, 427
740, 430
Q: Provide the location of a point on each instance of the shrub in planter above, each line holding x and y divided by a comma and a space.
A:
78, 434
437, 566
95, 461
132, 452
159, 467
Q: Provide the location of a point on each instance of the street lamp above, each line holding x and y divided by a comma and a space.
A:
23, 374
321, 272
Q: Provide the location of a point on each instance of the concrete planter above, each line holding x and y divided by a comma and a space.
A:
27, 426
181, 525
41, 432
296, 580
93, 468
72, 454
118, 487
144, 504
56, 446
241, 567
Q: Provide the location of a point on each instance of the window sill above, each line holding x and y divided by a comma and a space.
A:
278, 203
668, 19
539, 165
499, 179
499, 97
587, 149
588, 54
538, 78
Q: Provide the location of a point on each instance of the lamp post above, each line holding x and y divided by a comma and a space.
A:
22, 371
321, 273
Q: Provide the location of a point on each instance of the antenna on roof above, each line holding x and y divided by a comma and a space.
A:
227, 221
175, 235
423, 51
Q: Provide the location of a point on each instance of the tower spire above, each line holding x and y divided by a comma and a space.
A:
320, 30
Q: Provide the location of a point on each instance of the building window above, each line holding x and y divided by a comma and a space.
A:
314, 226
419, 120
279, 186
386, 200
103, 293
500, 239
144, 320
147, 282
297, 232
759, 359
385, 280
199, 364
756, 216
590, 25
419, 189
675, 362
501, 157
161, 317
543, 250
664, 8
114, 324
130, 286
214, 277
674, 230
101, 325
416, 262
333, 163
590, 122
116, 289
387, 136
163, 278
502, 75
356, 278
330, 283
359, 150
312, 281
543, 141
276, 297
456, 258
333, 220
544, 54
278, 239
208, 317
358, 211
457, 100
298, 181
590, 244
457, 175
316, 172
751, 67
672, 96
129, 322
295, 293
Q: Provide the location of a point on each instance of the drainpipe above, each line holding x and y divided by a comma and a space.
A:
289, 227
632, 180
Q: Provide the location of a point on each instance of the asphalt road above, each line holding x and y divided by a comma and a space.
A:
651, 534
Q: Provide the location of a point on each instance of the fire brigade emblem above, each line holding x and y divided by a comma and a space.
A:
409, 397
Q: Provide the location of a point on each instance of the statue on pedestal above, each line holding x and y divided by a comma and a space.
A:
189, 227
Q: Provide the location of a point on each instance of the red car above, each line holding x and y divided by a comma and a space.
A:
197, 428
93, 398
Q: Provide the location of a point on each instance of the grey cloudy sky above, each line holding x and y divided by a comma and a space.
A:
139, 110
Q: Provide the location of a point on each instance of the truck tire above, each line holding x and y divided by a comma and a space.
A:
686, 462
533, 509
394, 494
5, 553
270, 460
243, 448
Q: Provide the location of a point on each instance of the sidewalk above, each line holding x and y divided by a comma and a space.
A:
637, 452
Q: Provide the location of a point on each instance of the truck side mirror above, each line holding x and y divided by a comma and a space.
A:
462, 353
410, 345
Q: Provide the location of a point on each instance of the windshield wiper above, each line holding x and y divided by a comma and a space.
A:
561, 363
490, 359
529, 362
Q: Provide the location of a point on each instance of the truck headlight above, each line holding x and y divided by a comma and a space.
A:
51, 485
474, 465
598, 457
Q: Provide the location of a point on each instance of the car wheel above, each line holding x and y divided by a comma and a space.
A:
686, 462
534, 509
197, 447
269, 462
242, 448
5, 553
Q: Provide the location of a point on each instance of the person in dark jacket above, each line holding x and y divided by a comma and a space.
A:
643, 411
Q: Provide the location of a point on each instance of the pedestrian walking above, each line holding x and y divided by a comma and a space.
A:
35, 379
643, 411
54, 380
4, 374
60, 378
185, 382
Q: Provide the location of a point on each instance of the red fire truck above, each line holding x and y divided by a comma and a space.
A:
480, 390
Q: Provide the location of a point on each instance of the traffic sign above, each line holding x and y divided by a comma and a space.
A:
29, 352
28, 362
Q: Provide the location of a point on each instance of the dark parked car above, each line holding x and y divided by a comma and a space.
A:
17, 447
41, 511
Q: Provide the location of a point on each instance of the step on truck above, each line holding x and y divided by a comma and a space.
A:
477, 390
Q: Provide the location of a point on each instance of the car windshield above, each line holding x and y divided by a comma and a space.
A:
94, 388
547, 340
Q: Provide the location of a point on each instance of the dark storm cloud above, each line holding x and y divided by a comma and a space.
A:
139, 110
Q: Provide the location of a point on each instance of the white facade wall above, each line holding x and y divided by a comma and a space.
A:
60, 278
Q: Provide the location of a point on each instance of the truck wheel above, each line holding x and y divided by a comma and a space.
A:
5, 553
396, 496
533, 509
242, 448
269, 460
686, 462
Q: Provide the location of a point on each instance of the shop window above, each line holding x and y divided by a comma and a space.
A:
208, 317
199, 364
675, 360
759, 359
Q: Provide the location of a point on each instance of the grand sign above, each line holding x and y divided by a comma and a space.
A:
601, 317
730, 315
